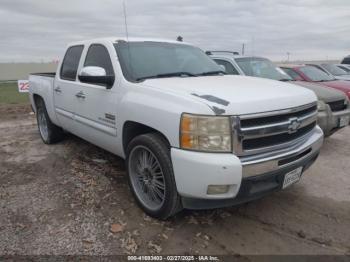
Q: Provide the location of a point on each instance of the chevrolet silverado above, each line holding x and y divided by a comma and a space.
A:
192, 136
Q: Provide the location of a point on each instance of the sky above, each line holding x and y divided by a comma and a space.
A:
39, 30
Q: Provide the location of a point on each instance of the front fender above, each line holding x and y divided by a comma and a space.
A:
158, 110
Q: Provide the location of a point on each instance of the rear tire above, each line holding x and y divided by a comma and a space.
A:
151, 176
49, 132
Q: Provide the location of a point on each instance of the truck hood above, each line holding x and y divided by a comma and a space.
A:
236, 95
323, 93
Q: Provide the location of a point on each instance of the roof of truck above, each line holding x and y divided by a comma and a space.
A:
129, 39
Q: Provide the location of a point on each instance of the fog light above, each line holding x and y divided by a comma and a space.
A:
217, 189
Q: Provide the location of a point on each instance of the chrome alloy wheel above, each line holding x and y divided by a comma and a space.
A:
42, 123
147, 177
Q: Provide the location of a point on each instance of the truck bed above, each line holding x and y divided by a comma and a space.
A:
42, 84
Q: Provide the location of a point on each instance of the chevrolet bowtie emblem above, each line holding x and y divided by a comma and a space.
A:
294, 124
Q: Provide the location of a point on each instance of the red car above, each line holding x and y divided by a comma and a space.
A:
313, 74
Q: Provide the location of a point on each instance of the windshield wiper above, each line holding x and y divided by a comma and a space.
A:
175, 74
286, 80
210, 73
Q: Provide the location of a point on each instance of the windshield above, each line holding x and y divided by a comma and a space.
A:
261, 67
294, 75
334, 70
315, 74
142, 60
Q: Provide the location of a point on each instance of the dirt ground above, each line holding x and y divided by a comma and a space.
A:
73, 198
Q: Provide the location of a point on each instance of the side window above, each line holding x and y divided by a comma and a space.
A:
71, 62
98, 56
229, 68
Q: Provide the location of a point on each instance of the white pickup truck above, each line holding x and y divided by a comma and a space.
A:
192, 136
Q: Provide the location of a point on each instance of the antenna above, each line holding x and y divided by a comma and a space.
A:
127, 39
126, 24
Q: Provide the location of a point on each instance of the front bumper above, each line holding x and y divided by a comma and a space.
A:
251, 188
248, 178
329, 121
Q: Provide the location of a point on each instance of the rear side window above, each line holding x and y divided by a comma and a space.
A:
99, 56
229, 68
71, 62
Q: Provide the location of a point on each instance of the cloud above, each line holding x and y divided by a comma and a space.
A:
308, 29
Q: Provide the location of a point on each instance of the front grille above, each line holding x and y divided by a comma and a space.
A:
268, 141
276, 118
275, 130
337, 105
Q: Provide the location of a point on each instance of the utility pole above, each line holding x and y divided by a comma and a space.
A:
288, 54
243, 49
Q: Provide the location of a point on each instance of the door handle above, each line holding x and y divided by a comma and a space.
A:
58, 89
80, 95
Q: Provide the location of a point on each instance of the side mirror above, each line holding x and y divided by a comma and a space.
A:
96, 75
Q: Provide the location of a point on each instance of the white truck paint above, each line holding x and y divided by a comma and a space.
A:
105, 116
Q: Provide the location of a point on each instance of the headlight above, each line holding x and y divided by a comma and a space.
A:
205, 133
321, 106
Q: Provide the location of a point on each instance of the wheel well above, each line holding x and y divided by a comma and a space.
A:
37, 99
133, 129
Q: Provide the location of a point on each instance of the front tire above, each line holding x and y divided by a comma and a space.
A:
49, 132
151, 176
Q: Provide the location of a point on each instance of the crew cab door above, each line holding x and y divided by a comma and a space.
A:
96, 106
66, 87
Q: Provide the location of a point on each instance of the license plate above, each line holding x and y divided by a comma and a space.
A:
292, 177
343, 121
